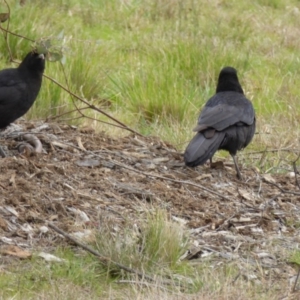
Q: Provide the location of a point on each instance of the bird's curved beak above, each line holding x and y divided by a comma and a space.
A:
41, 56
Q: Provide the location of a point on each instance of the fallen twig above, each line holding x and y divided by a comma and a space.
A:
281, 189
7, 30
156, 176
16, 34
269, 150
91, 106
105, 260
146, 284
169, 179
296, 171
294, 287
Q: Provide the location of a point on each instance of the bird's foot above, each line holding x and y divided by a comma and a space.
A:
239, 176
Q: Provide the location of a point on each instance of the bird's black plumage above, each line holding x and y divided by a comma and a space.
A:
226, 122
19, 87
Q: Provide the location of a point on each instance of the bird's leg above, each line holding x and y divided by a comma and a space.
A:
238, 173
210, 162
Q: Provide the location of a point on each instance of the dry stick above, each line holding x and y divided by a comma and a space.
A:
131, 130
51, 118
281, 189
270, 150
92, 106
294, 288
68, 87
148, 285
85, 116
18, 35
155, 176
236, 278
6, 31
103, 259
166, 178
181, 182
296, 171
79, 110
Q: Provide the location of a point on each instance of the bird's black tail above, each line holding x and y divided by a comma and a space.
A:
200, 149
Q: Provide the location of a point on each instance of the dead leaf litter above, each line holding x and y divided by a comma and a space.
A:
81, 175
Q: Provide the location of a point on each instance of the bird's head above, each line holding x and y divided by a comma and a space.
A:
34, 62
228, 81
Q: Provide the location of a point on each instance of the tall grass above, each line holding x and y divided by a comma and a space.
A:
154, 244
153, 64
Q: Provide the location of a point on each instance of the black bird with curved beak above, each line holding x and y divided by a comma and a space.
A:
19, 88
226, 122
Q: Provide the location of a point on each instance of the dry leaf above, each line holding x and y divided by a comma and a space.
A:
203, 176
88, 163
53, 217
4, 17
269, 178
246, 195
86, 235
15, 251
60, 145
3, 224
50, 257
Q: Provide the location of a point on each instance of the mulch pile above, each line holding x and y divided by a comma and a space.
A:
83, 175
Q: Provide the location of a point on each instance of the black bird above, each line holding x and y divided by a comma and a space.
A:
226, 122
19, 88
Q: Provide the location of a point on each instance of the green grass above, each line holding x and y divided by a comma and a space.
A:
153, 64
154, 249
152, 245
155, 245
79, 271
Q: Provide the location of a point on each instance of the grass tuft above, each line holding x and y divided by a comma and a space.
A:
154, 247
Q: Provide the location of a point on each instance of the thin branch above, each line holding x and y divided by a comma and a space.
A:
294, 288
296, 171
270, 150
18, 35
155, 285
92, 106
183, 182
104, 260
51, 118
85, 116
69, 119
68, 87
5, 31
281, 189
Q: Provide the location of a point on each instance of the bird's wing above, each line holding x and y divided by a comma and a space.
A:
10, 77
10, 94
224, 115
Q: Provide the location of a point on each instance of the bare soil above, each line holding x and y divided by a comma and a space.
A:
84, 175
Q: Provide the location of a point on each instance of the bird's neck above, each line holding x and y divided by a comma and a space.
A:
227, 85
